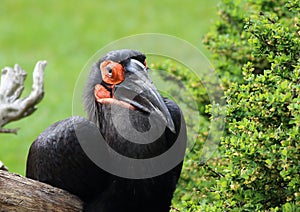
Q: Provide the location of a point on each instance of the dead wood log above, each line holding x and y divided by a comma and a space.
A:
18, 193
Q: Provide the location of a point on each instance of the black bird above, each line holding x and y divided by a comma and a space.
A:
118, 84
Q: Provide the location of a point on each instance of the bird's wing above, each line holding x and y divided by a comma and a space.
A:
176, 115
57, 158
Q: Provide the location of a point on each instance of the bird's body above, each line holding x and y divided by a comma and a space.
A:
57, 158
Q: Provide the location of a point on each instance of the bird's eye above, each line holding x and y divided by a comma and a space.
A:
109, 70
112, 72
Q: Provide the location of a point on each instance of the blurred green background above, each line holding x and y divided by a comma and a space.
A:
67, 34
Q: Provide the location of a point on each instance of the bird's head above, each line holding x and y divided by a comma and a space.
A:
121, 78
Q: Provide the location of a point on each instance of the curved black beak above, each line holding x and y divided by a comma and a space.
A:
138, 90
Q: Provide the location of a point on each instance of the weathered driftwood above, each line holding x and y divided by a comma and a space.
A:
12, 107
22, 194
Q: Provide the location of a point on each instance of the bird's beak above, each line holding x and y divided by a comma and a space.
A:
139, 91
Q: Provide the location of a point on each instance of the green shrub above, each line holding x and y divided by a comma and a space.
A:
256, 47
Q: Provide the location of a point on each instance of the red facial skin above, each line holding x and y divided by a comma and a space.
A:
112, 74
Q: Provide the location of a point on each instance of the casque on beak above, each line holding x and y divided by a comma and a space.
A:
138, 90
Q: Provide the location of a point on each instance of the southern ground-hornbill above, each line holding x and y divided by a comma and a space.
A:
119, 79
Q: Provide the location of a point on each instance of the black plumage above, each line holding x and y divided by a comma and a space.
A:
57, 158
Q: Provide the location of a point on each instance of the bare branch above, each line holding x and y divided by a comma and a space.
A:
3, 167
12, 107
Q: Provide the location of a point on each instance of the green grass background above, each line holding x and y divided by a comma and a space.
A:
67, 34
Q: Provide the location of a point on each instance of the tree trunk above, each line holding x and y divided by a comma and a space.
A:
18, 193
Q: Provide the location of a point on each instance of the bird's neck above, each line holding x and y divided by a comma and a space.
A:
126, 132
